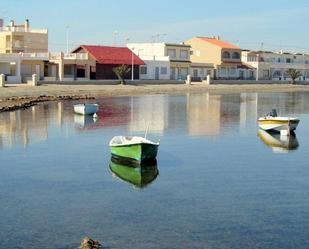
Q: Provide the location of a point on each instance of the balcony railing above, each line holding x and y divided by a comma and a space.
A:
76, 56
70, 56
22, 29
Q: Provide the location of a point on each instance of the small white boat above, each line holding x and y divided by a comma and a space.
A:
86, 109
284, 125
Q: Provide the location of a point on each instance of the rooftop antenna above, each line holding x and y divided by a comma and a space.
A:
262, 46
115, 33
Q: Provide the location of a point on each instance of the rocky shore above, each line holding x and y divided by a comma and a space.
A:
15, 103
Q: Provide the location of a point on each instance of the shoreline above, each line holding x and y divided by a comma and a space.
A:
15, 97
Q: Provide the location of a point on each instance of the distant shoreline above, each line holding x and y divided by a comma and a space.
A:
15, 97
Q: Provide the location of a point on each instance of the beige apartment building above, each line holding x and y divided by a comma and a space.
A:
23, 51
21, 38
224, 57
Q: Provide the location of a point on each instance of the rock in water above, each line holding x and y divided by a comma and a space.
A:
88, 243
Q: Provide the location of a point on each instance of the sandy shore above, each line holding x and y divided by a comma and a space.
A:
14, 97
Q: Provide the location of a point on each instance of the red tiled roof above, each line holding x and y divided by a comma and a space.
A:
111, 55
219, 43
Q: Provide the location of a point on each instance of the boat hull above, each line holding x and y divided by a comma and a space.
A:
86, 109
278, 125
138, 152
138, 176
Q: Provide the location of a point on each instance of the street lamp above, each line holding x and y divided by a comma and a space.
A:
257, 67
132, 69
67, 37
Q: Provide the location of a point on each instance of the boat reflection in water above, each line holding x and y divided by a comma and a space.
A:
279, 143
139, 175
83, 121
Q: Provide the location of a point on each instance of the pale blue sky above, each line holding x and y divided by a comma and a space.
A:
276, 23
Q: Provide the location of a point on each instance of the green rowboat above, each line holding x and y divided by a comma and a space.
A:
140, 177
135, 148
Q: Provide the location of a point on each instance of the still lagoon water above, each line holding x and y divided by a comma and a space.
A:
218, 183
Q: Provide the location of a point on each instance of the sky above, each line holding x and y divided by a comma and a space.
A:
254, 24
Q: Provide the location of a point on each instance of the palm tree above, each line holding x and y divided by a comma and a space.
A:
294, 74
121, 72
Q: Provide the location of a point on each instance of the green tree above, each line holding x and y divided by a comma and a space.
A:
294, 74
121, 72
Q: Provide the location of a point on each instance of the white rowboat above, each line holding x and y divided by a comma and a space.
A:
86, 109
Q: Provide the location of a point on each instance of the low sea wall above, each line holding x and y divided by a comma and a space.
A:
114, 82
254, 82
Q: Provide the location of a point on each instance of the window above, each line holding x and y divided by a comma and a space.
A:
183, 72
288, 60
232, 71
143, 70
226, 55
277, 74
171, 53
266, 73
251, 74
235, 55
222, 70
184, 54
68, 70
163, 70
26, 69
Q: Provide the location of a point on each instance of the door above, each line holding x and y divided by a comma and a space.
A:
241, 74
38, 71
157, 73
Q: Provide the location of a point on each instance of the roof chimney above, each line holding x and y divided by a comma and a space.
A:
27, 24
1, 23
12, 23
218, 37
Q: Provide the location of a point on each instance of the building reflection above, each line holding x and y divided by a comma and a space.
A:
149, 111
197, 114
22, 126
30, 126
203, 114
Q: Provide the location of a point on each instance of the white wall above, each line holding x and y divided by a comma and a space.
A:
147, 49
153, 62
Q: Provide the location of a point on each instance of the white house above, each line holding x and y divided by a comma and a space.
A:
163, 60
274, 65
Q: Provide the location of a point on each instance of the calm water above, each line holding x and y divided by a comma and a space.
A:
220, 185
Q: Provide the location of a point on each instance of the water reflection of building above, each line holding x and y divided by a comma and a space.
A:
149, 111
30, 126
203, 114
248, 108
285, 103
21, 127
